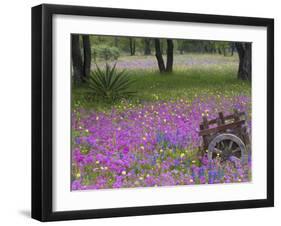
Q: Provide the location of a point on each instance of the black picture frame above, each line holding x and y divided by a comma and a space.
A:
42, 107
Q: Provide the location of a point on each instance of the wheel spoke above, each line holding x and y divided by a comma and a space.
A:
217, 150
230, 145
227, 146
236, 150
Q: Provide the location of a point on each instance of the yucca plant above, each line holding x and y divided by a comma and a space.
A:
109, 83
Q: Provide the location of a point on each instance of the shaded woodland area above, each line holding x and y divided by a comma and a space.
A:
87, 49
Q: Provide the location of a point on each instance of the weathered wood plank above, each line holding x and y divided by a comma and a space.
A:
221, 117
236, 115
205, 122
228, 117
221, 128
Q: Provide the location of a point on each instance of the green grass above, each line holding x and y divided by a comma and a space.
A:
186, 84
185, 57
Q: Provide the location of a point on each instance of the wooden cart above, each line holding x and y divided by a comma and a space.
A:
225, 136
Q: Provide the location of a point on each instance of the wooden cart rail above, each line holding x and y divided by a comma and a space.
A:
229, 126
225, 118
221, 128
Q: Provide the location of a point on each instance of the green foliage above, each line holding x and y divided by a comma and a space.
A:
105, 52
186, 82
122, 45
186, 85
110, 84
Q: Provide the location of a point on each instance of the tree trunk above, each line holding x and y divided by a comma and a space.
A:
87, 56
170, 58
224, 51
232, 47
232, 51
147, 50
132, 46
116, 42
159, 56
76, 59
206, 49
245, 60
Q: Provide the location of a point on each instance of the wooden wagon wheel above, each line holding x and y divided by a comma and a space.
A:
227, 145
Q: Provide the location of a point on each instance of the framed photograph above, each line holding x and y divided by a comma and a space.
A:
146, 112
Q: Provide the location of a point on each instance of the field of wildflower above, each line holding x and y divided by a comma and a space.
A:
151, 139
